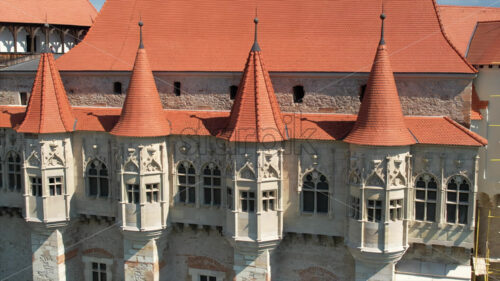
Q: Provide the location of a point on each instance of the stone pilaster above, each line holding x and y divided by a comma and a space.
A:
140, 257
48, 252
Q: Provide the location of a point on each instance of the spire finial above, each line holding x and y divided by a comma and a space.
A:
382, 17
141, 45
47, 41
256, 47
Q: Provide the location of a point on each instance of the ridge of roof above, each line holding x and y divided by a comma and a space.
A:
380, 120
142, 112
445, 35
48, 110
255, 115
473, 135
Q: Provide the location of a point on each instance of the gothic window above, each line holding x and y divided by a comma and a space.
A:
186, 175
425, 198
268, 201
247, 201
14, 171
98, 181
374, 210
355, 211
229, 198
298, 94
211, 185
55, 186
152, 193
396, 209
233, 90
315, 196
36, 186
457, 200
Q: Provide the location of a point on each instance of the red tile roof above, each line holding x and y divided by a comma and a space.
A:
380, 119
255, 114
64, 12
300, 126
142, 113
49, 110
459, 22
484, 47
477, 105
304, 36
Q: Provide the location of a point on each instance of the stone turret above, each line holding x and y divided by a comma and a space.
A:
378, 175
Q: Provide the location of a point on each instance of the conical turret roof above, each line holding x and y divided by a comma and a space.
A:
49, 110
142, 114
380, 120
255, 115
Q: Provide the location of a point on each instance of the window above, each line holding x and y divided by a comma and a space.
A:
187, 181
298, 94
268, 198
374, 210
362, 90
247, 201
177, 88
396, 209
14, 165
117, 88
133, 194
355, 213
207, 278
233, 90
55, 186
425, 198
28, 44
211, 185
98, 271
315, 193
23, 97
457, 200
98, 181
229, 198
36, 186
152, 193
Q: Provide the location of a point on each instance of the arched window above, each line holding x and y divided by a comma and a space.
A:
14, 171
425, 198
211, 185
457, 200
98, 182
117, 88
298, 94
315, 193
186, 175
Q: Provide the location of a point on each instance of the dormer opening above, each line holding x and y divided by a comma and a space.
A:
298, 93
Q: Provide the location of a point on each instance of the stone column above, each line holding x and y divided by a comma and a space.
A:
140, 255
252, 260
48, 249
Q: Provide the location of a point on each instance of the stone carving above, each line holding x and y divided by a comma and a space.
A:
34, 159
355, 171
52, 157
396, 176
151, 163
376, 177
131, 167
247, 172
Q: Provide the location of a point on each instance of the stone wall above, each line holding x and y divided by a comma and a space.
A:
15, 249
429, 95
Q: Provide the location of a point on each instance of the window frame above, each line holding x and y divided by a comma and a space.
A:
195, 274
355, 208
371, 211
212, 187
56, 188
315, 180
269, 200
99, 178
426, 201
87, 260
14, 176
396, 209
247, 200
458, 203
186, 186
133, 193
152, 192
37, 190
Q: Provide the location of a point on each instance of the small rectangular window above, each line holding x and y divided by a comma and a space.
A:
152, 193
233, 90
355, 213
55, 186
98, 271
298, 94
396, 209
207, 278
247, 201
177, 88
23, 97
374, 210
268, 201
36, 186
133, 194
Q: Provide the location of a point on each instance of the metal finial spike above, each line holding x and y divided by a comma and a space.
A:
382, 17
256, 47
141, 45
